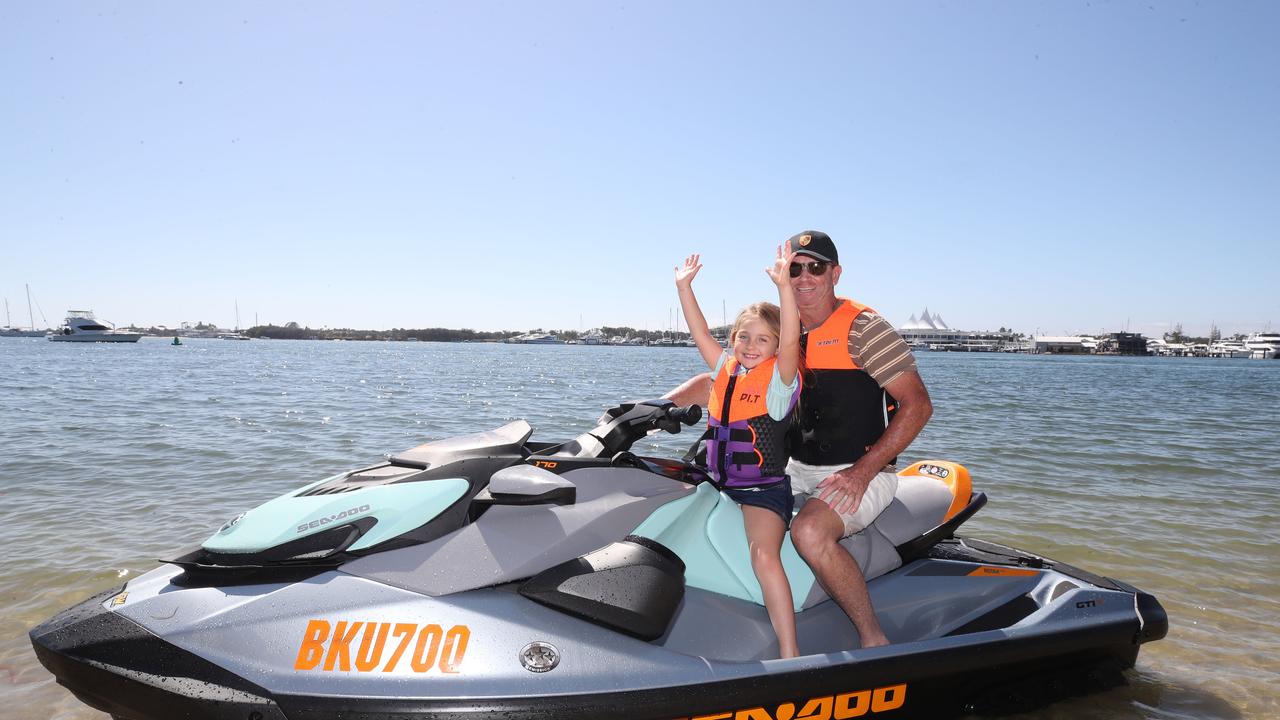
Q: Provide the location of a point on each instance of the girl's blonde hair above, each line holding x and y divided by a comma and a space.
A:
768, 312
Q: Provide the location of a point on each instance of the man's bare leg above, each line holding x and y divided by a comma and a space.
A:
816, 532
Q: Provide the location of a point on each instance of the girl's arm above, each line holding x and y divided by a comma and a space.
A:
707, 345
789, 334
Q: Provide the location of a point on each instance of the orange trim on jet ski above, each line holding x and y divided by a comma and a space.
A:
954, 475
992, 571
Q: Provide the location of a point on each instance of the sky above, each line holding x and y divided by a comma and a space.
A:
1052, 167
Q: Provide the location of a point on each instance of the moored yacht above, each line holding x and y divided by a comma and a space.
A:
1228, 349
536, 338
82, 326
1263, 345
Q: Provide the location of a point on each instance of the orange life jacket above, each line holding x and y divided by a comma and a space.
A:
843, 410
746, 447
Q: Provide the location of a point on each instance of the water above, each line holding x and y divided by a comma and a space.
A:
1156, 471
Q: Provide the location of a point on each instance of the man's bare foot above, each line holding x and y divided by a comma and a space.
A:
875, 641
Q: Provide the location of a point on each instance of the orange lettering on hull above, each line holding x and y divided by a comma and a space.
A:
338, 647
831, 707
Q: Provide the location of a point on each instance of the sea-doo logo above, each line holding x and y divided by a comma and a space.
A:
332, 518
436, 648
539, 657
830, 707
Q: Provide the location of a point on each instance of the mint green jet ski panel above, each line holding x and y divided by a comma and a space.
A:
705, 529
397, 507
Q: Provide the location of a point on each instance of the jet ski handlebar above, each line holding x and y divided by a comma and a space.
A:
620, 427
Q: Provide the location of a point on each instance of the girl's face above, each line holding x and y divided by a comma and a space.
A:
754, 343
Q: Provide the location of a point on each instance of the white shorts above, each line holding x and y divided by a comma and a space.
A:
805, 479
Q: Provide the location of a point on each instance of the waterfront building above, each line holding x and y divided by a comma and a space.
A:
1065, 344
931, 332
1124, 343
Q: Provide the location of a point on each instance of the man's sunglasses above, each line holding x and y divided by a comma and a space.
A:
816, 269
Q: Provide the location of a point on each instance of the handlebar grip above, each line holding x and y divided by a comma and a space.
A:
687, 415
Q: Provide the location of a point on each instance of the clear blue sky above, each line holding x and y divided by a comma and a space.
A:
1060, 166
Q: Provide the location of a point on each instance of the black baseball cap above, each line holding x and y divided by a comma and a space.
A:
815, 244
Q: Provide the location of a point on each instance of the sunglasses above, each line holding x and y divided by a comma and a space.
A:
816, 269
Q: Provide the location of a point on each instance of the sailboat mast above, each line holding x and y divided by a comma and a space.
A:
30, 317
237, 316
7, 321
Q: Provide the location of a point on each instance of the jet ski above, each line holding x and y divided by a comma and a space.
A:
494, 576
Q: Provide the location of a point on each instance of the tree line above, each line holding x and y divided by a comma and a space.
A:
294, 331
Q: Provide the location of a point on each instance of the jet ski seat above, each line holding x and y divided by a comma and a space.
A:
506, 440
705, 530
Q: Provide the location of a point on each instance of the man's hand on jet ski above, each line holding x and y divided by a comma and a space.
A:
842, 490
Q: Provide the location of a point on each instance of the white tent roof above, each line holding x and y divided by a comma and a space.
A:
926, 322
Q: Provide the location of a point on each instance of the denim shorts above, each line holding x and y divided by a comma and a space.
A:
776, 497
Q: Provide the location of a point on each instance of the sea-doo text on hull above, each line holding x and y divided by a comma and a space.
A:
491, 576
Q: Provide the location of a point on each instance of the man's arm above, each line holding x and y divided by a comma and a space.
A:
843, 490
694, 391
914, 410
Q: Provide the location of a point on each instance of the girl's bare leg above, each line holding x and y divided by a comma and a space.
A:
764, 535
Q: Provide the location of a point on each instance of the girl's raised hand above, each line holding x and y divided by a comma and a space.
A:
780, 272
685, 275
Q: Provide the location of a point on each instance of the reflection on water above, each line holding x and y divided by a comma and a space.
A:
1159, 472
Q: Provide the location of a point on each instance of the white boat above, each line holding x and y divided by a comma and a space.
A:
1263, 345
82, 326
536, 339
1228, 349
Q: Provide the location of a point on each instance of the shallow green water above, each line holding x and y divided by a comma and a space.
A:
1160, 472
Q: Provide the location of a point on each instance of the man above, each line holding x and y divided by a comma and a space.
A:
861, 404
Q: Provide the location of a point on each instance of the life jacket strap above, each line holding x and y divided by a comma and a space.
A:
697, 452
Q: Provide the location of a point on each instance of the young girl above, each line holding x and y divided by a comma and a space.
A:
754, 392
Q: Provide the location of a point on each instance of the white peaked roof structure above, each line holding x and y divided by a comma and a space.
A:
925, 322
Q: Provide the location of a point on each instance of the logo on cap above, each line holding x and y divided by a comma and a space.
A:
804, 240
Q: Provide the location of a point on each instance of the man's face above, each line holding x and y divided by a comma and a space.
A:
814, 291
